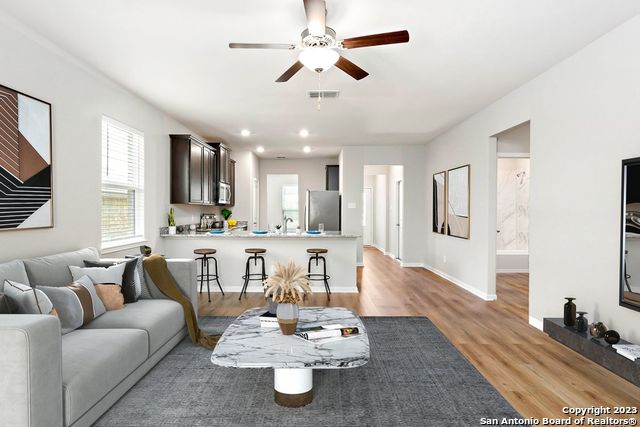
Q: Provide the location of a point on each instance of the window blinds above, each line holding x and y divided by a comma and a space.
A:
122, 183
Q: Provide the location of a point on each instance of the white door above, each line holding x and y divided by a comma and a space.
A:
255, 211
399, 215
367, 216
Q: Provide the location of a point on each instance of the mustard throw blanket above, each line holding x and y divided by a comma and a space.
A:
157, 268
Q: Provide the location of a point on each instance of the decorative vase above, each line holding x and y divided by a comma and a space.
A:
272, 306
612, 337
172, 229
582, 323
569, 312
287, 318
598, 330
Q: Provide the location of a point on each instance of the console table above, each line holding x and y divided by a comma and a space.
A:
597, 350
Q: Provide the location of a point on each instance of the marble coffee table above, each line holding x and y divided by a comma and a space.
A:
244, 344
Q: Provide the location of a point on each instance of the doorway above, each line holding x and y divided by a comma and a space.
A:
383, 209
282, 201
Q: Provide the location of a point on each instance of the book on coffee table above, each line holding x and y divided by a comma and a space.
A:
326, 331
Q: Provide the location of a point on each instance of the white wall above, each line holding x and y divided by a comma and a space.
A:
515, 140
79, 97
311, 176
352, 162
584, 121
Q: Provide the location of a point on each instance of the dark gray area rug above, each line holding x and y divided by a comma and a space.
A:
415, 377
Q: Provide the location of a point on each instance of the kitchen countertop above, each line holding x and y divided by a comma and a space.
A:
249, 235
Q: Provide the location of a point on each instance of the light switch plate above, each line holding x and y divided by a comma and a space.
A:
351, 205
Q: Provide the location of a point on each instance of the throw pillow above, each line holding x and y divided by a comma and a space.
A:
145, 293
111, 296
27, 299
139, 279
6, 305
77, 304
129, 277
110, 275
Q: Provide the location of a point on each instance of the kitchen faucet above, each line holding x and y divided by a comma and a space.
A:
285, 221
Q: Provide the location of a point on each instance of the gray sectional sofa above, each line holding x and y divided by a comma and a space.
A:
49, 379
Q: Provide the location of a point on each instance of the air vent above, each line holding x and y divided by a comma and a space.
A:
314, 94
281, 157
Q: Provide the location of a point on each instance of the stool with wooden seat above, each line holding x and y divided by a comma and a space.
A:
315, 252
248, 275
204, 264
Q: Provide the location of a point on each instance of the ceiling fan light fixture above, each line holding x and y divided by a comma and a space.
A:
318, 59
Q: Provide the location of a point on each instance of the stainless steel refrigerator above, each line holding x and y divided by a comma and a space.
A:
322, 207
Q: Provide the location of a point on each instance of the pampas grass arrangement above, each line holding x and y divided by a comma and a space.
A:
288, 283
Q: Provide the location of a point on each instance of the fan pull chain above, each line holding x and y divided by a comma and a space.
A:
319, 94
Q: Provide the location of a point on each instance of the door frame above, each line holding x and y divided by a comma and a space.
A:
399, 217
370, 211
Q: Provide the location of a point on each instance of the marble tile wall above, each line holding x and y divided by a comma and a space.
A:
513, 204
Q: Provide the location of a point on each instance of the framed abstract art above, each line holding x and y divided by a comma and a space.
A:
25, 161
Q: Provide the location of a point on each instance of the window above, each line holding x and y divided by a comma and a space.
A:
290, 203
122, 184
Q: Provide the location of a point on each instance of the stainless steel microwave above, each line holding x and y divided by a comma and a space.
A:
224, 194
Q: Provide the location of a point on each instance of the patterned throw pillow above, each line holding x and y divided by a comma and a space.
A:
77, 304
129, 277
6, 305
27, 299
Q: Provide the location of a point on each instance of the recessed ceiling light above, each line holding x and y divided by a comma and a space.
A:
260, 149
306, 149
245, 132
303, 133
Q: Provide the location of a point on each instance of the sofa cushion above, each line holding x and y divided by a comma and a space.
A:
14, 271
53, 270
94, 362
162, 319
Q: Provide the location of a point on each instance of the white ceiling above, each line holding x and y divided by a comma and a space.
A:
463, 54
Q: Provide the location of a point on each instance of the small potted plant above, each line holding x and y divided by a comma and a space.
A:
172, 222
286, 286
278, 229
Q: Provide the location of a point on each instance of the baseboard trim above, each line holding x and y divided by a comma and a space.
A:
463, 285
513, 270
411, 264
319, 289
360, 264
535, 323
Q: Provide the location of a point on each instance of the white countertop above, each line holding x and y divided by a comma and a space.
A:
250, 235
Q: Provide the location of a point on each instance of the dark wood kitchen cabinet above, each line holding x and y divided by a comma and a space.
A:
223, 162
193, 171
232, 183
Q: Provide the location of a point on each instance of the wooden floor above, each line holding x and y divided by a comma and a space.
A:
535, 374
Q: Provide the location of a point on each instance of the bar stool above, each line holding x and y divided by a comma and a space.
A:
262, 276
204, 263
319, 276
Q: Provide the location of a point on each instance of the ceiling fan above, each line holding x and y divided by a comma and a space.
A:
319, 45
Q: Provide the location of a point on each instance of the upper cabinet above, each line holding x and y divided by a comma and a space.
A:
201, 173
193, 171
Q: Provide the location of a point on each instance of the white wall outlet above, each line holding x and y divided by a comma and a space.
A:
351, 205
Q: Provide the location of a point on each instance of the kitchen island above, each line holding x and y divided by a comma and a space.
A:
341, 258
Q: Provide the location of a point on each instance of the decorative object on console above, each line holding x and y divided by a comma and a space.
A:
458, 222
569, 312
25, 162
612, 337
172, 222
27, 299
582, 323
130, 287
77, 304
439, 203
287, 285
597, 330
226, 213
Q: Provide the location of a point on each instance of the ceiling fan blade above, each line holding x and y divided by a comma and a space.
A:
350, 68
316, 11
376, 39
290, 72
262, 46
